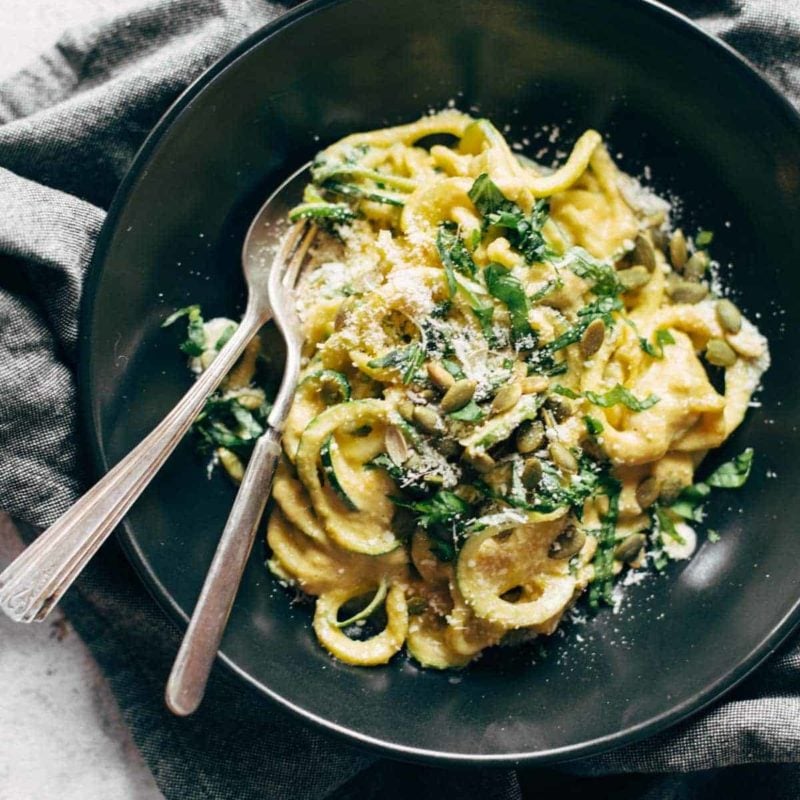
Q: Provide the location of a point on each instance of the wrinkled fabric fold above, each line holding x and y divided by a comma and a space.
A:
70, 125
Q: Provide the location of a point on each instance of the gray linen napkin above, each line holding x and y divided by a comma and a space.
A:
69, 126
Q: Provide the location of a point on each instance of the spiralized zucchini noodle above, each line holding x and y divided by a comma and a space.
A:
511, 374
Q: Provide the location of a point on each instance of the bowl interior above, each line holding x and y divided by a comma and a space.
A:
676, 108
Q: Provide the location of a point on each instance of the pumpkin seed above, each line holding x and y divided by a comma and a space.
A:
633, 278
659, 236
449, 448
567, 543
593, 448
531, 472
468, 493
677, 249
561, 409
250, 399
458, 395
686, 291
530, 436
535, 384
499, 477
405, 408
669, 489
519, 370
396, 445
562, 457
720, 353
730, 318
439, 375
592, 339
630, 547
647, 492
479, 459
644, 253
696, 266
506, 398
427, 419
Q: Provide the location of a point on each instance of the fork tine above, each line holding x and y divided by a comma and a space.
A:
293, 269
289, 242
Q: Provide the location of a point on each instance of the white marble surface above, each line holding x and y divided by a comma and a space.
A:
68, 742
63, 738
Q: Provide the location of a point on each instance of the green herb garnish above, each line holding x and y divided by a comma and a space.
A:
195, 342
407, 360
730, 475
444, 516
523, 232
619, 395
593, 426
704, 238
508, 289
602, 585
662, 337
454, 255
322, 212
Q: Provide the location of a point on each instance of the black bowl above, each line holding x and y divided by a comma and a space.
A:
670, 99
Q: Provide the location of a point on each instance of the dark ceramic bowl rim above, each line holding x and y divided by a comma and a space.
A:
713, 691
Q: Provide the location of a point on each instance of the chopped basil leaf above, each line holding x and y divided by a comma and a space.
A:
599, 309
616, 396
195, 342
662, 337
406, 360
484, 312
223, 422
445, 517
602, 585
453, 254
602, 276
225, 337
733, 474
712, 535
593, 426
704, 238
322, 212
667, 525
471, 412
523, 233
619, 395
550, 286
359, 192
689, 502
508, 289
454, 369
487, 198
565, 391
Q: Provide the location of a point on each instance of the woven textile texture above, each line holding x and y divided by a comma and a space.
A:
70, 125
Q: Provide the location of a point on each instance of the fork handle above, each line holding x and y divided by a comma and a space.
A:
35, 581
187, 681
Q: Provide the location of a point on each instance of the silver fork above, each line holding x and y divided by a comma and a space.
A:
36, 580
189, 676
